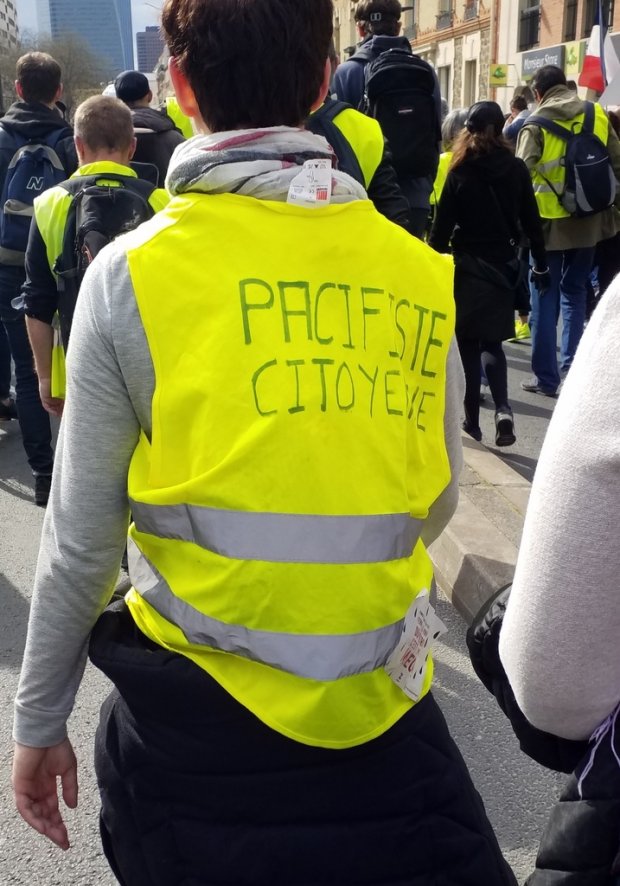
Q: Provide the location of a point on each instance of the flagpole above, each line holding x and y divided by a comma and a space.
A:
602, 32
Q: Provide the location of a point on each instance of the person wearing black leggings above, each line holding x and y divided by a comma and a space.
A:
486, 209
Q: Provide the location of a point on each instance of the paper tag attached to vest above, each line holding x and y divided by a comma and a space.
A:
407, 664
313, 185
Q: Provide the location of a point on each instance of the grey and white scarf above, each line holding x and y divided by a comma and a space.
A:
257, 163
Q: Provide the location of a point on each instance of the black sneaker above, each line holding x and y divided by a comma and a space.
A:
476, 433
504, 429
534, 387
7, 409
42, 485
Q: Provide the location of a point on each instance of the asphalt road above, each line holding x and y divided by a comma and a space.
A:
518, 793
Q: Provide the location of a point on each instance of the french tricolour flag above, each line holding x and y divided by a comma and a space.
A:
601, 63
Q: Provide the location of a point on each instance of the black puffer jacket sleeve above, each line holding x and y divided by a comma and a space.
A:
549, 750
386, 193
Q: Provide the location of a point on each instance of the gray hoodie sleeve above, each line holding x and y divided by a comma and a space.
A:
86, 522
559, 641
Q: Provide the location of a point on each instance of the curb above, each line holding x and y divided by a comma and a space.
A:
477, 552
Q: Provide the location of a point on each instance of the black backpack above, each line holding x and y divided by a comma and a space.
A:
590, 183
321, 122
98, 214
399, 92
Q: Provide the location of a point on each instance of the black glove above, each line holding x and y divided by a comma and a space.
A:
540, 280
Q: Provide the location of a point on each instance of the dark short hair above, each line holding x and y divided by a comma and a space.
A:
518, 103
39, 75
250, 63
547, 77
379, 17
104, 123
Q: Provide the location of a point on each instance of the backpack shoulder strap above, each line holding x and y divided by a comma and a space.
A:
588, 118
328, 111
550, 125
322, 123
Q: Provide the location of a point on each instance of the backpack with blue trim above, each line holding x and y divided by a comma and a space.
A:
590, 184
34, 167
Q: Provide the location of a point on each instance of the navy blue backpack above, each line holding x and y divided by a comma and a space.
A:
34, 167
590, 184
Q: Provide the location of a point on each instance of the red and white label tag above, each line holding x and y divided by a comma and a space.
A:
313, 185
407, 663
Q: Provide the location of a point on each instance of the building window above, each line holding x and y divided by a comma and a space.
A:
443, 75
469, 83
471, 10
409, 27
570, 20
590, 15
445, 16
529, 24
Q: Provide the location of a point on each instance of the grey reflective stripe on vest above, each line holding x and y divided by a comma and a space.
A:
283, 538
549, 165
322, 657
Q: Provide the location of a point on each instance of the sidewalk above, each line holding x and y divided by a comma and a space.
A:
477, 552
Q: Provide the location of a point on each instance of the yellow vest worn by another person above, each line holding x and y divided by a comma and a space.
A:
366, 140
297, 445
442, 174
182, 123
51, 211
549, 174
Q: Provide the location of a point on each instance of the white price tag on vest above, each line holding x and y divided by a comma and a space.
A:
313, 185
407, 663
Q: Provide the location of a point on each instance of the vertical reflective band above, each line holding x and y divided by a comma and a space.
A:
283, 538
322, 657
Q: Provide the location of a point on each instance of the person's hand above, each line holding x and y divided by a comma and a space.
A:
541, 280
35, 771
53, 405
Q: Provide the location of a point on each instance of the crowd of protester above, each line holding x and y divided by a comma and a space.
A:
128, 220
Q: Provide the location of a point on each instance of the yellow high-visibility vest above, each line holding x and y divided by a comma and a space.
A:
297, 445
442, 174
549, 174
366, 139
182, 123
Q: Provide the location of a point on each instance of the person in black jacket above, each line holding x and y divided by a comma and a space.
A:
156, 134
33, 118
486, 203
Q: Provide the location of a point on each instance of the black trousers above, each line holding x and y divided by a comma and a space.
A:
196, 791
491, 355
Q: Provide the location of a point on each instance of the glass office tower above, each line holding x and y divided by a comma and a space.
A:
104, 24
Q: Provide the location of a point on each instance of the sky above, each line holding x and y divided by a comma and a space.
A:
142, 13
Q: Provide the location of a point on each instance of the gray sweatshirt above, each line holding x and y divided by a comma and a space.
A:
111, 382
560, 638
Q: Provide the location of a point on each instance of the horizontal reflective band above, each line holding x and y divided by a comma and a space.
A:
283, 538
544, 189
322, 657
549, 165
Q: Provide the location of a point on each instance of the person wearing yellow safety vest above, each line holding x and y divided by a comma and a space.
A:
450, 129
105, 144
570, 241
265, 374
360, 147
182, 123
